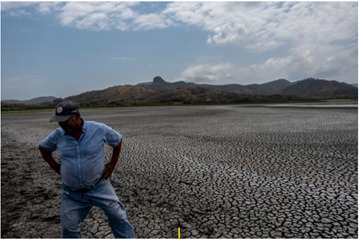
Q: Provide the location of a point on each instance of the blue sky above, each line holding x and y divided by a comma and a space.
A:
65, 48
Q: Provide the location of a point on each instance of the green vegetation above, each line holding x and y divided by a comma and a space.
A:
168, 99
23, 107
341, 101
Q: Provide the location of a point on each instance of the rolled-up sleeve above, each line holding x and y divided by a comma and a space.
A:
50, 142
111, 137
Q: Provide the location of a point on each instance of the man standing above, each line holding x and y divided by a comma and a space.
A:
84, 174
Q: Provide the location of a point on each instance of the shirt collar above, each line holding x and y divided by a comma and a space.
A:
84, 125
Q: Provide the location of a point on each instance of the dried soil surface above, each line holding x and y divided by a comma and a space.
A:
215, 171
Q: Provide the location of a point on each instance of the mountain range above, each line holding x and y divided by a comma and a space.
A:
160, 91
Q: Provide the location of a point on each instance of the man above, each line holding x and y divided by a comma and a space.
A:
84, 174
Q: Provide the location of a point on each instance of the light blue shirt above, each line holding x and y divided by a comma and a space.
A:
82, 162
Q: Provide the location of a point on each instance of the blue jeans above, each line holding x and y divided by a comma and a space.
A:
75, 205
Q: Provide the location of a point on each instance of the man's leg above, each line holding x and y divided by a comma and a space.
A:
104, 196
74, 208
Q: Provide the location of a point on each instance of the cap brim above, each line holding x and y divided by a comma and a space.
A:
60, 118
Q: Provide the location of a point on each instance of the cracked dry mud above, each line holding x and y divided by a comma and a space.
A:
215, 171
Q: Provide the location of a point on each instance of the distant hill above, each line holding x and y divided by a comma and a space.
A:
269, 88
33, 101
320, 89
159, 92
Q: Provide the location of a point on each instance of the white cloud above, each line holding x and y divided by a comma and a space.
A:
207, 73
261, 26
149, 21
253, 25
7, 6
321, 22
305, 61
16, 9
321, 37
110, 15
48, 7
77, 13
227, 22
97, 15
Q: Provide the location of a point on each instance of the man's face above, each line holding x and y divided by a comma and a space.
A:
71, 125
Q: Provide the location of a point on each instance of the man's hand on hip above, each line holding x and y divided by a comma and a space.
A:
107, 171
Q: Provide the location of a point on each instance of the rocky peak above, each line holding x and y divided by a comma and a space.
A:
158, 80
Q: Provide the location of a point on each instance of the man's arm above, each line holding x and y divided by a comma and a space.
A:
109, 167
49, 159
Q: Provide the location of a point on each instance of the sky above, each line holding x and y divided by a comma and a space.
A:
65, 48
